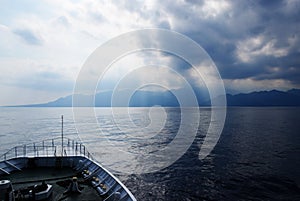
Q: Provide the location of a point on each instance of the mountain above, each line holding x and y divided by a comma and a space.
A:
294, 91
168, 99
265, 98
138, 99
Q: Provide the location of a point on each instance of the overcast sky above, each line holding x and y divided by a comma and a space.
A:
43, 44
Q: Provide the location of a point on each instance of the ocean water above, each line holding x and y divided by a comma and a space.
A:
256, 158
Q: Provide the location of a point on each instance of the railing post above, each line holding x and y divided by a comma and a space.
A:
52, 143
16, 152
62, 135
24, 150
76, 148
34, 151
83, 150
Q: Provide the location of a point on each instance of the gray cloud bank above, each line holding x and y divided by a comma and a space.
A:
257, 41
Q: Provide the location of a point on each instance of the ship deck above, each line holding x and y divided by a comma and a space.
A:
58, 177
56, 161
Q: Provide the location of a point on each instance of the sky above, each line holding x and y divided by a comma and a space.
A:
43, 44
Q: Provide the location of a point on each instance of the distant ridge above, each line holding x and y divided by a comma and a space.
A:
167, 99
265, 98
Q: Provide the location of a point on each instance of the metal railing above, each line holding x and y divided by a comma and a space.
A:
48, 148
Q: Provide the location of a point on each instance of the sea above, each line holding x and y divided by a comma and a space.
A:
257, 156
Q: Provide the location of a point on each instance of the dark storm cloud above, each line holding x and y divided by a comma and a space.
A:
247, 39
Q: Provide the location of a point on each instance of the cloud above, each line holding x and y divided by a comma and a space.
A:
214, 8
29, 36
245, 39
250, 41
31, 75
140, 68
258, 46
63, 20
